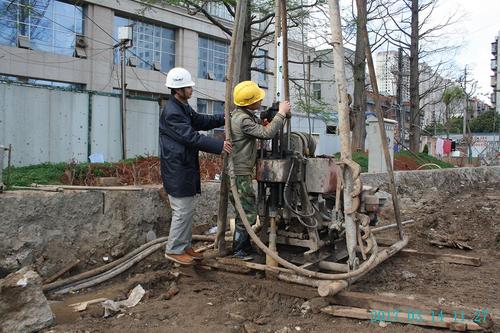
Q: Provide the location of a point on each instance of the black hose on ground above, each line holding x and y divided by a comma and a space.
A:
98, 270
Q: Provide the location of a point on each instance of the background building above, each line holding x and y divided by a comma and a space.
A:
495, 78
386, 68
69, 47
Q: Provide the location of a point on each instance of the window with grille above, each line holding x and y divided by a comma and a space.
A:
261, 63
207, 106
212, 59
49, 25
316, 90
151, 43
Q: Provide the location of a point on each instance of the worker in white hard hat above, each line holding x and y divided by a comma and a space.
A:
180, 143
246, 128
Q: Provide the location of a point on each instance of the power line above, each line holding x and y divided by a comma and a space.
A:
138, 57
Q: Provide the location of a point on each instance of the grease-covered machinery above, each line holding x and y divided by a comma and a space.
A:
301, 194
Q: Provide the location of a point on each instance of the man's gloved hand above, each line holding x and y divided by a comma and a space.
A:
269, 113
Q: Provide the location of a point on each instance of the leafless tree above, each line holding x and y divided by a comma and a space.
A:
258, 27
411, 24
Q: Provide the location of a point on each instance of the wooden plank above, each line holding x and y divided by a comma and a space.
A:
82, 306
404, 318
450, 258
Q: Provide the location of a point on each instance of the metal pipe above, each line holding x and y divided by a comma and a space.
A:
123, 103
2, 150
390, 226
272, 242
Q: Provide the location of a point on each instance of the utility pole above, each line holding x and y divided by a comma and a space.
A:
125, 37
400, 115
466, 103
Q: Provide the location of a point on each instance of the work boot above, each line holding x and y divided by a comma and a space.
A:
241, 244
242, 255
194, 254
183, 258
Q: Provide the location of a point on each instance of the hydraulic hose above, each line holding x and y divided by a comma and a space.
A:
98, 270
113, 272
287, 203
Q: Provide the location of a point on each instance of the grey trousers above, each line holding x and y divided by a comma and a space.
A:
180, 236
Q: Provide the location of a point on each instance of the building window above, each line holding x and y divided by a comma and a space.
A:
58, 84
219, 10
218, 107
50, 25
261, 64
212, 59
316, 89
330, 129
206, 106
151, 43
202, 106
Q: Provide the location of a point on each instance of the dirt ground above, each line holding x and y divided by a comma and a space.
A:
214, 301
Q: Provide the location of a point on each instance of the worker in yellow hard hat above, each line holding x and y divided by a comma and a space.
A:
246, 128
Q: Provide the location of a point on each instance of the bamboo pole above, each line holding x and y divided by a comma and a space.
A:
383, 134
232, 76
344, 126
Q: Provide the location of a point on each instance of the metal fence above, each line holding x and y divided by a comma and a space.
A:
45, 124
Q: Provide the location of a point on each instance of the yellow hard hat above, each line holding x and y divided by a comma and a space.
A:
247, 92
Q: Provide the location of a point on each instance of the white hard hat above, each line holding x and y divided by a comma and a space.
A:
179, 77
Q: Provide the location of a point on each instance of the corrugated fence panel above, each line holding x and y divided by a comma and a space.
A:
68, 124
105, 132
43, 125
142, 127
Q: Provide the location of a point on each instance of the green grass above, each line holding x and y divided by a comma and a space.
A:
359, 158
51, 173
424, 159
46, 173
362, 159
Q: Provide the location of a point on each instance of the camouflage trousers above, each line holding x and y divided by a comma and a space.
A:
248, 200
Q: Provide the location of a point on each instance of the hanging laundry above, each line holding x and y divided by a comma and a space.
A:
447, 147
439, 147
433, 147
453, 145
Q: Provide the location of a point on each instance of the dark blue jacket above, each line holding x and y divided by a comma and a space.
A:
180, 143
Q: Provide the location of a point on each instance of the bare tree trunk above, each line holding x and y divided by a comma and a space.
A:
414, 80
359, 98
343, 116
233, 71
246, 52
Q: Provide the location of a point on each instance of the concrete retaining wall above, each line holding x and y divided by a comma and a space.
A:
413, 183
52, 229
